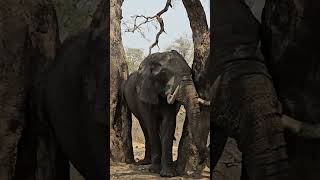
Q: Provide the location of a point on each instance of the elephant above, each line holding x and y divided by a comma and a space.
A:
60, 108
76, 101
72, 105
154, 95
245, 103
68, 111
290, 37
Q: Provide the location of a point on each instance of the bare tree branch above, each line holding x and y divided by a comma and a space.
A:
147, 19
160, 20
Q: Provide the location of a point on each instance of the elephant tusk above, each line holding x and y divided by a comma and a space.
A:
172, 97
302, 129
291, 124
204, 102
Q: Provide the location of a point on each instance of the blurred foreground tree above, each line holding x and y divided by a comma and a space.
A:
29, 39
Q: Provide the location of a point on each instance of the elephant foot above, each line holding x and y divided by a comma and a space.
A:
145, 161
168, 172
155, 168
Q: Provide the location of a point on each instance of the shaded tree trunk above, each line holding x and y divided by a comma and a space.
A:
187, 151
120, 117
187, 159
29, 38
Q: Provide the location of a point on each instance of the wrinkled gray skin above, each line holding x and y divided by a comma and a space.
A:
290, 31
287, 40
146, 92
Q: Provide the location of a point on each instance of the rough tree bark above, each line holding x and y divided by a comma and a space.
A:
120, 118
29, 38
229, 163
187, 161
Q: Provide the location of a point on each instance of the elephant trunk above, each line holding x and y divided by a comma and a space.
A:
190, 99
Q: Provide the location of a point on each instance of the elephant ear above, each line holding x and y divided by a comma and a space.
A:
146, 87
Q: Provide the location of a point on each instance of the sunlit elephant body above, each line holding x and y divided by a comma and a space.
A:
150, 94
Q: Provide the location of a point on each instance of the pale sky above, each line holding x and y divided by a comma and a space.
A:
175, 19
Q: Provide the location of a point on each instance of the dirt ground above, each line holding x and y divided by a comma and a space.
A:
74, 174
228, 168
126, 171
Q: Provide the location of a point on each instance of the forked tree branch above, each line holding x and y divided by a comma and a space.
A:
147, 19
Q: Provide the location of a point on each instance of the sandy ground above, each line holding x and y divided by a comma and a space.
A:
129, 171
74, 174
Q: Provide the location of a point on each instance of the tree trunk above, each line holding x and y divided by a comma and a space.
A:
120, 117
29, 38
187, 151
187, 159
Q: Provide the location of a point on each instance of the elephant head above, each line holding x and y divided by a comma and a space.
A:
166, 78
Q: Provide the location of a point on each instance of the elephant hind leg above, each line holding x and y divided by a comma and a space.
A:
147, 156
155, 147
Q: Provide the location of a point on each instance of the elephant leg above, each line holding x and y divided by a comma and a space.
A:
155, 146
261, 132
147, 155
168, 126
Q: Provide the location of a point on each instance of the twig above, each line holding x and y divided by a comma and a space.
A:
147, 19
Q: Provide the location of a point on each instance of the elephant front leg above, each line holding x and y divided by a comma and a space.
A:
155, 147
167, 135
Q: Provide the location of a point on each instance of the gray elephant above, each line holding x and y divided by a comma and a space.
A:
72, 104
244, 100
154, 94
290, 43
